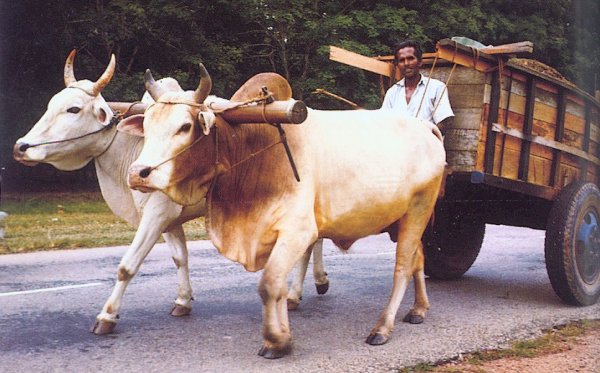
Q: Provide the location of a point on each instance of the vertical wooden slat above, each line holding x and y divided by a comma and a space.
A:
527, 129
506, 115
558, 136
586, 139
490, 140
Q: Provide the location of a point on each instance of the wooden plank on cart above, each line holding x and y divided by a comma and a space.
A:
454, 52
512, 48
362, 62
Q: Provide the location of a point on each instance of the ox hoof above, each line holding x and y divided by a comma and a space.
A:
273, 353
377, 339
322, 288
413, 319
179, 310
103, 327
292, 304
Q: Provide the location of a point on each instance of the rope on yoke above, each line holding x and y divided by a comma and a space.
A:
259, 98
265, 97
126, 113
282, 135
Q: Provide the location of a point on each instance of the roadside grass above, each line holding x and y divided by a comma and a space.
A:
50, 221
552, 341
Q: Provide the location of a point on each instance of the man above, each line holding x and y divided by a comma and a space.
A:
414, 94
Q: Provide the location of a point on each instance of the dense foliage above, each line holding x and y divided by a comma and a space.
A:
236, 39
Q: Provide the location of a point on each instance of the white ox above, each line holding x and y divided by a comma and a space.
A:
77, 128
360, 172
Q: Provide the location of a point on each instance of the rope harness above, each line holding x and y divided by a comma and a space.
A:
116, 118
265, 98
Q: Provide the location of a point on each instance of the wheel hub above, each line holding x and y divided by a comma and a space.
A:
587, 252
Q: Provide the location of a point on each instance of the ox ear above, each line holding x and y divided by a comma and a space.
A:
207, 120
101, 114
133, 125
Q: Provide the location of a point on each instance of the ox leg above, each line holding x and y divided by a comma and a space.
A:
319, 274
129, 266
416, 315
408, 251
161, 212
175, 238
273, 292
321, 280
297, 287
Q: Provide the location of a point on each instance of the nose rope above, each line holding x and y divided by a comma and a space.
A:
112, 122
116, 118
150, 169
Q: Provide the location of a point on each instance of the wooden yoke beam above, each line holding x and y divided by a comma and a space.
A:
289, 111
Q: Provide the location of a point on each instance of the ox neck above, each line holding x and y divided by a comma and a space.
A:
242, 150
111, 167
282, 140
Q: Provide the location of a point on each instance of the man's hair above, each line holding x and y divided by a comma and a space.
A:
408, 43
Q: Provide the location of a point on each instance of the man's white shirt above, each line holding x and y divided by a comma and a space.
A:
395, 99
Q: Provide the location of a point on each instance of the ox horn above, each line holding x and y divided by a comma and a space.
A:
105, 78
204, 86
69, 75
155, 89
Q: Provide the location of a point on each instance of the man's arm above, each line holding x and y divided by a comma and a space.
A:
445, 124
443, 110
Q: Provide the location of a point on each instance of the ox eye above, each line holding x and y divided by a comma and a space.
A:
185, 128
73, 110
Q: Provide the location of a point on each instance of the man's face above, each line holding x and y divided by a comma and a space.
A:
408, 63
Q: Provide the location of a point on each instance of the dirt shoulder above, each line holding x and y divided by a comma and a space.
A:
570, 348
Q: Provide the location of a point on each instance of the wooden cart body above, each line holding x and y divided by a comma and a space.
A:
523, 150
515, 129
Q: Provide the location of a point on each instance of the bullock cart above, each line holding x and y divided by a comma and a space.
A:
524, 150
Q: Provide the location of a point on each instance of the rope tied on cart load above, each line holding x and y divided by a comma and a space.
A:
337, 97
427, 85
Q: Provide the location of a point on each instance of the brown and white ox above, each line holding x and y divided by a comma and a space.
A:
75, 129
360, 172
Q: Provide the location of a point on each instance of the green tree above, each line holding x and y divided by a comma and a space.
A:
236, 40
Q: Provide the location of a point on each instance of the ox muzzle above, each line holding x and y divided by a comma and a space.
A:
137, 178
19, 154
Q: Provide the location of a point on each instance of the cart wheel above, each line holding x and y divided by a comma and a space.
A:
572, 246
452, 244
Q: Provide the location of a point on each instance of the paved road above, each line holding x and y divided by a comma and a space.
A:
505, 295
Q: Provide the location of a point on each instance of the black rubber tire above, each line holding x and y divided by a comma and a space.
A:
452, 244
572, 246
